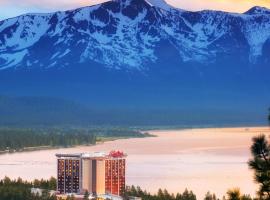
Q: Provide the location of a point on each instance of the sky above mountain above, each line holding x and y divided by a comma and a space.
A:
11, 8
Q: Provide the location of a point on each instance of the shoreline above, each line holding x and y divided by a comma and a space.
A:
206, 127
146, 133
101, 140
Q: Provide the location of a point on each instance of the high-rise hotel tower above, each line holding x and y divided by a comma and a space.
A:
69, 177
97, 173
115, 173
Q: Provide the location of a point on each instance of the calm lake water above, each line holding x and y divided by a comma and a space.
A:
201, 160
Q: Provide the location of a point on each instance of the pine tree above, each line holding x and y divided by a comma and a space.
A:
210, 196
260, 163
269, 116
86, 196
234, 194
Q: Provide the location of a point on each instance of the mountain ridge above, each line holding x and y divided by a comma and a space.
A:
197, 42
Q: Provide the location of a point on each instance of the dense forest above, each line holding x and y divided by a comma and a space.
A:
233, 194
17, 139
21, 190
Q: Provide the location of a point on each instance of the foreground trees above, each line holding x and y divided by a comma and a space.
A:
235, 194
210, 196
269, 116
161, 195
260, 163
21, 190
45, 184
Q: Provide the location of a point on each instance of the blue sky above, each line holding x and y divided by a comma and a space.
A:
11, 8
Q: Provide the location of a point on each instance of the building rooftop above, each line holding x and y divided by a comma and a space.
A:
75, 155
112, 154
94, 155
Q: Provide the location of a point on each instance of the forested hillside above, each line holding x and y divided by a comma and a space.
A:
20, 139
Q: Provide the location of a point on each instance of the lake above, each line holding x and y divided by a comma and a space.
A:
212, 159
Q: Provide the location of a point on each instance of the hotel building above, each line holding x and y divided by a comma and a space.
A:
115, 173
98, 173
69, 173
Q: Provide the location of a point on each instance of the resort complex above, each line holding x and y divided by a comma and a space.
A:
99, 174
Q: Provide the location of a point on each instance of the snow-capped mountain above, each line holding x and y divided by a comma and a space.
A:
133, 34
136, 56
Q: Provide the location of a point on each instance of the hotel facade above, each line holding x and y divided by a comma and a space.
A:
98, 173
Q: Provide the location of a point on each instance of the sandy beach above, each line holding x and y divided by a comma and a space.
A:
211, 159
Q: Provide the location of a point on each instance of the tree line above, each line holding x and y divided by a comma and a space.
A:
19, 139
233, 194
21, 190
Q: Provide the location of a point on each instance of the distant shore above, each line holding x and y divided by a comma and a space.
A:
146, 133
99, 140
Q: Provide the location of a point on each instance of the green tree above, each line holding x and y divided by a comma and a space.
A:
269, 116
187, 195
246, 197
21, 190
210, 196
86, 196
160, 194
234, 194
52, 183
260, 163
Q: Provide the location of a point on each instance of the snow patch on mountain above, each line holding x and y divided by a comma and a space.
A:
257, 34
23, 32
121, 48
160, 4
84, 13
12, 59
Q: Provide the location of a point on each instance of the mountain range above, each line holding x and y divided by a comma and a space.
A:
145, 54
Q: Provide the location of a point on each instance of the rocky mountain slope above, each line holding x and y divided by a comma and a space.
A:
130, 34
